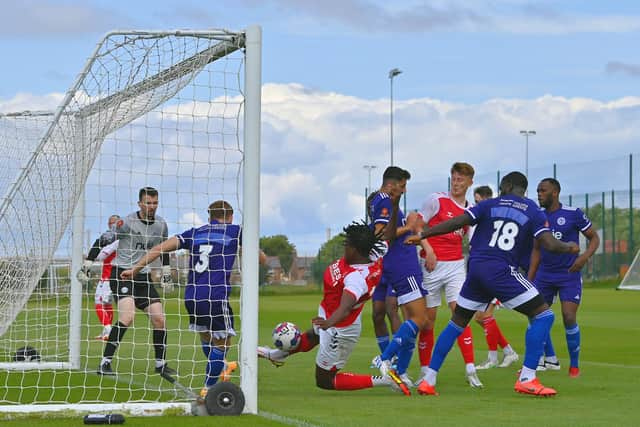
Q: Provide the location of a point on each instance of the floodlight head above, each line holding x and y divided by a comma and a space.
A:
394, 72
527, 132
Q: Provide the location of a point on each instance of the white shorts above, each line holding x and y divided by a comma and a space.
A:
103, 292
448, 276
336, 344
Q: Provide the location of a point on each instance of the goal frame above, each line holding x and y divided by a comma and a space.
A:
248, 338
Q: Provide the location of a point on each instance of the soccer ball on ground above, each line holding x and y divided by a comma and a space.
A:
286, 336
26, 354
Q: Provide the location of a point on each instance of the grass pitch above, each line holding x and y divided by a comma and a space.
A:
605, 394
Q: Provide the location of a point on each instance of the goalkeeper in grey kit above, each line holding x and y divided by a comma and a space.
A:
137, 233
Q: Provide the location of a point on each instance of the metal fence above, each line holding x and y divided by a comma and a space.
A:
607, 190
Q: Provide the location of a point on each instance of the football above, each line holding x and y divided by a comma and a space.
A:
26, 354
286, 336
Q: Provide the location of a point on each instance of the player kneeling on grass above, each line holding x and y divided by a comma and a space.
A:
213, 249
348, 284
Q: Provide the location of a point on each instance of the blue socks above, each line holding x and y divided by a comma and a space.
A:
445, 341
404, 354
535, 337
383, 342
405, 335
573, 344
215, 365
549, 351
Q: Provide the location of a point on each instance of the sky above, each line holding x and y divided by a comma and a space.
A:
474, 73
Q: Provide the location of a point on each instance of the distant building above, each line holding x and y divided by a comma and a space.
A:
300, 272
274, 270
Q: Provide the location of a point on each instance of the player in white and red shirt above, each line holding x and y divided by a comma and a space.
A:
104, 249
348, 283
443, 265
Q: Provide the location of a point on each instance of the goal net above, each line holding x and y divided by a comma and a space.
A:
178, 111
631, 279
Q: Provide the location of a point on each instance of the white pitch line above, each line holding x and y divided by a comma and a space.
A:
610, 365
285, 420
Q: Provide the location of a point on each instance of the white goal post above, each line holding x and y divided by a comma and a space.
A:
175, 110
631, 279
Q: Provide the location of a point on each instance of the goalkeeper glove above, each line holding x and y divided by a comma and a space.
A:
166, 281
83, 275
378, 250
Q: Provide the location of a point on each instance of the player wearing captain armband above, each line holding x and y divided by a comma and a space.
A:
138, 232
505, 228
560, 275
348, 283
401, 271
213, 249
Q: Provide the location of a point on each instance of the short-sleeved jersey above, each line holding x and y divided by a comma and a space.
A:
401, 260
440, 207
360, 280
505, 228
136, 237
213, 249
566, 224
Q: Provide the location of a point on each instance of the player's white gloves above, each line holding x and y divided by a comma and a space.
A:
83, 275
166, 280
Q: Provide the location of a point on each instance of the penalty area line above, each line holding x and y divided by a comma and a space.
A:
285, 420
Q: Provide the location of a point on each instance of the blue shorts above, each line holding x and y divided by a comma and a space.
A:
209, 315
487, 280
407, 288
568, 286
382, 291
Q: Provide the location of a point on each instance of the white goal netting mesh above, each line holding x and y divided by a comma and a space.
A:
150, 109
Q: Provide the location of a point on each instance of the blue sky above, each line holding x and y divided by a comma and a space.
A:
474, 73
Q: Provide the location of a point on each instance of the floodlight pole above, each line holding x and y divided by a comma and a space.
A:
392, 73
526, 134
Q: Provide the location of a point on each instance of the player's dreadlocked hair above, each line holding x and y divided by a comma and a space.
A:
361, 237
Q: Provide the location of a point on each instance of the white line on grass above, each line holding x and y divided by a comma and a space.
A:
285, 420
610, 365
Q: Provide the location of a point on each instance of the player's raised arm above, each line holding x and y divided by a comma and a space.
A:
442, 228
165, 247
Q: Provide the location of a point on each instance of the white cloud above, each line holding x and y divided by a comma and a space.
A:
314, 146
42, 18
504, 16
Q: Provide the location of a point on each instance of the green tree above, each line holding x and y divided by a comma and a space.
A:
329, 252
280, 246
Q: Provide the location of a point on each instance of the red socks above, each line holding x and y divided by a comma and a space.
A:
425, 346
105, 313
349, 381
493, 334
465, 342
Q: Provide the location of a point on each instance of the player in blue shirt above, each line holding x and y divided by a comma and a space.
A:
560, 274
401, 271
213, 249
505, 227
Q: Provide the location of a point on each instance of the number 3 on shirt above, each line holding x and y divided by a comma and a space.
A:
203, 262
504, 235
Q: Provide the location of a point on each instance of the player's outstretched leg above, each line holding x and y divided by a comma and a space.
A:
443, 346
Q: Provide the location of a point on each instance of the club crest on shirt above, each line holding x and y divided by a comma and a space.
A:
561, 221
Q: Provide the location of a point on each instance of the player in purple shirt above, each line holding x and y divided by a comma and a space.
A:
560, 275
400, 271
505, 227
213, 249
